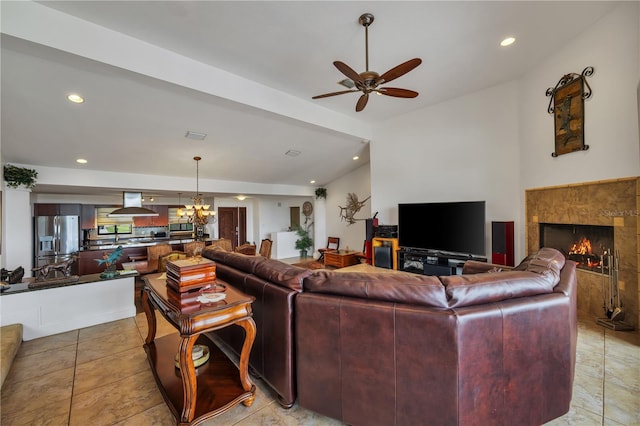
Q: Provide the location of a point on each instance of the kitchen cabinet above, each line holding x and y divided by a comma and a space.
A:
161, 220
88, 216
46, 209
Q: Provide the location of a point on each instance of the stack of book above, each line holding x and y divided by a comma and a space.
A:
185, 278
184, 275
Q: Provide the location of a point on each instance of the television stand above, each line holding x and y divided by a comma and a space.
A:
428, 262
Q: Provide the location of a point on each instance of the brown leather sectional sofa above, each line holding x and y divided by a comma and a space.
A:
274, 284
488, 347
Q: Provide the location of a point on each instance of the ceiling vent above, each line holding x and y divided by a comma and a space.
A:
132, 206
293, 153
195, 135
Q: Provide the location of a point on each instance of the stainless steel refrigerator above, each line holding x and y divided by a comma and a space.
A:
56, 240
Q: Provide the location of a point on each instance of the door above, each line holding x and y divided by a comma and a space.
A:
294, 217
45, 236
232, 224
68, 235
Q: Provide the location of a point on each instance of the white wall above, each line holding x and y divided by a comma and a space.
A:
274, 214
610, 116
17, 229
461, 150
494, 144
358, 182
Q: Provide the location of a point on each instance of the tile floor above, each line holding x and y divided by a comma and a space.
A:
99, 376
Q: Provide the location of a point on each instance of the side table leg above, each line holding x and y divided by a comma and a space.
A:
250, 335
189, 379
150, 313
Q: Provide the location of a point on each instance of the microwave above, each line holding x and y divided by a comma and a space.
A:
181, 227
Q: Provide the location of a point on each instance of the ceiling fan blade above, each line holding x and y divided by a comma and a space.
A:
348, 71
398, 93
326, 95
399, 70
362, 102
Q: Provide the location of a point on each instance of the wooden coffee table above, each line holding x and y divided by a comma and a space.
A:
341, 258
218, 384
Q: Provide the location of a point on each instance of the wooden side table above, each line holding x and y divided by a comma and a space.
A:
218, 384
340, 258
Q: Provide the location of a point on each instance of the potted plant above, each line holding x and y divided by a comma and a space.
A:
304, 242
321, 193
15, 176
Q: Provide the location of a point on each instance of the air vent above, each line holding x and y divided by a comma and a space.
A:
195, 135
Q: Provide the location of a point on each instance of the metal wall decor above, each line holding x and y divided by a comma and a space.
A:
567, 106
353, 206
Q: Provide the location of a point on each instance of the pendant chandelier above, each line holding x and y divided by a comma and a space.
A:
197, 212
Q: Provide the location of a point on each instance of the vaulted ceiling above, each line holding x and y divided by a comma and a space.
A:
244, 74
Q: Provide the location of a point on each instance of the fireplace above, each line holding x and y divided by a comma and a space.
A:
593, 211
587, 245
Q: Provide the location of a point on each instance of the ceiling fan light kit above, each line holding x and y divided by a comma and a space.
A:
369, 81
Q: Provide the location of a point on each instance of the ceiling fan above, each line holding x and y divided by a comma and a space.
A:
369, 81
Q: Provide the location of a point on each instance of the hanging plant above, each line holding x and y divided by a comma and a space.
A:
15, 176
321, 193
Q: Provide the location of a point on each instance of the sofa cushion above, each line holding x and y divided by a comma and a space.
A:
400, 287
539, 273
242, 262
11, 336
545, 260
280, 273
216, 254
476, 289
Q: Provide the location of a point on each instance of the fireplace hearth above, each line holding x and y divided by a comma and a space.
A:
587, 245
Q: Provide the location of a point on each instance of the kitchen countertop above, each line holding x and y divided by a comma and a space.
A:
137, 242
23, 286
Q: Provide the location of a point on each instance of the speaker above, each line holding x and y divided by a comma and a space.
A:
502, 243
371, 225
382, 257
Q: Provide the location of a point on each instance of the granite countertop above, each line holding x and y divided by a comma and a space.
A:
137, 242
23, 287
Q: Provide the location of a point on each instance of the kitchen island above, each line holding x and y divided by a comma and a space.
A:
62, 307
132, 249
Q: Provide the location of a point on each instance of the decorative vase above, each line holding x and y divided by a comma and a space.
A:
303, 254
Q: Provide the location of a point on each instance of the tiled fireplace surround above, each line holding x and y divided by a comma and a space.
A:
606, 203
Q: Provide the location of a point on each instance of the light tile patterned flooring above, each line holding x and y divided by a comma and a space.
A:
99, 376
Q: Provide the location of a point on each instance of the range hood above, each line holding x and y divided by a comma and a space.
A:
132, 206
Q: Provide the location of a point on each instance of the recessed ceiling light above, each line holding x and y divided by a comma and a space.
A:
312, 182
356, 158
81, 161
507, 41
74, 97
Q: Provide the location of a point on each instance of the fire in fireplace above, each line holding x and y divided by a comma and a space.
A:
584, 244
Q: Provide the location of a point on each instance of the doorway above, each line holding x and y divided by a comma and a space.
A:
294, 217
232, 224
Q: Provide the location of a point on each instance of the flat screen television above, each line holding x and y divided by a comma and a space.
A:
451, 227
